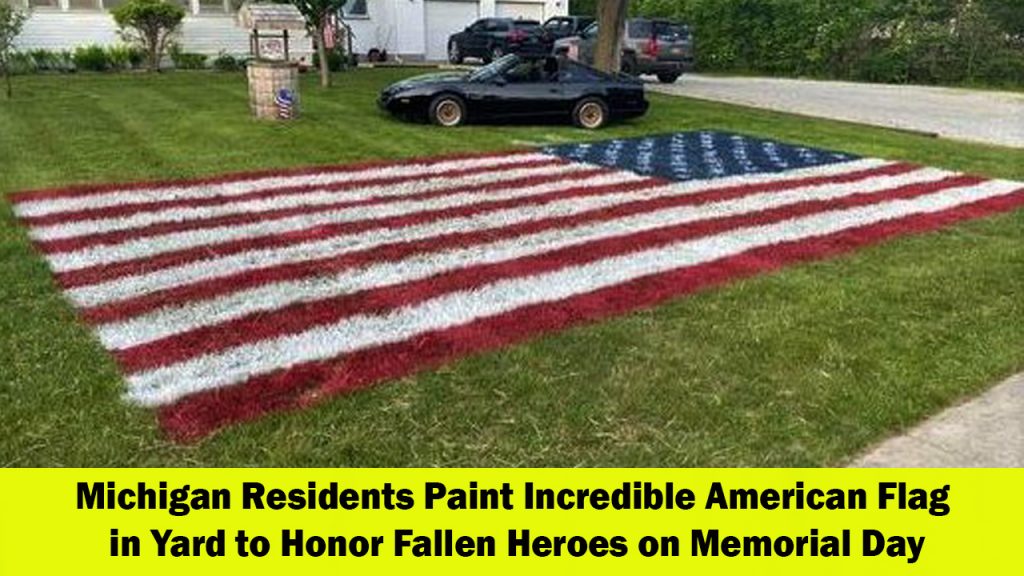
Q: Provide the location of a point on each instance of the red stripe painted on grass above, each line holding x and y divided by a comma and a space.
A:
300, 317
214, 287
101, 273
128, 209
202, 413
88, 189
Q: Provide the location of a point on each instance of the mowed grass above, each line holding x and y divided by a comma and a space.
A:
805, 367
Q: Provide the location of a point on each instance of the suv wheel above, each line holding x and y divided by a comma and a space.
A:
447, 110
496, 52
454, 54
668, 77
590, 113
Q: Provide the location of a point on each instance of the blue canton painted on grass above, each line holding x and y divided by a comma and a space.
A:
698, 155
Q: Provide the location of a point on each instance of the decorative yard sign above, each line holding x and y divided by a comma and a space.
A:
269, 26
224, 298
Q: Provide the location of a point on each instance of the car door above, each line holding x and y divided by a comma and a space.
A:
475, 40
532, 89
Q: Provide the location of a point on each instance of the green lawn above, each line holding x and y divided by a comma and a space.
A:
805, 367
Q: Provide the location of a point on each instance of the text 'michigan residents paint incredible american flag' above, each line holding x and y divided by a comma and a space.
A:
224, 298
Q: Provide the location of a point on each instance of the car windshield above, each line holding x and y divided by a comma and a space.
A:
591, 31
494, 69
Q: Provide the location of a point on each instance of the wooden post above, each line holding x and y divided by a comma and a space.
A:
285, 36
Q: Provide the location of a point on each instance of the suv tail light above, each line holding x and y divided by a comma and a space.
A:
651, 49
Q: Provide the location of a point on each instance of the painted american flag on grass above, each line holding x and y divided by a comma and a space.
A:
224, 298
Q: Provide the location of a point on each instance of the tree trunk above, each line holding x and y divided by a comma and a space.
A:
611, 18
154, 52
7, 79
321, 50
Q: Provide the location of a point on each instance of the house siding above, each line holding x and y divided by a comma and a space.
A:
398, 26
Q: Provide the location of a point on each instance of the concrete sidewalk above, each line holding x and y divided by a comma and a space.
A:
983, 116
987, 432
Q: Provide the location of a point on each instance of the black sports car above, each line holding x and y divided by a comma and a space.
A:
515, 87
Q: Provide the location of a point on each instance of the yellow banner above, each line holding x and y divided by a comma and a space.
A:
323, 521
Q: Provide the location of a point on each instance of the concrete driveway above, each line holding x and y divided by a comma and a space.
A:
974, 115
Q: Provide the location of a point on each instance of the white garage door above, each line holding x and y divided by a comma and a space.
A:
524, 10
444, 18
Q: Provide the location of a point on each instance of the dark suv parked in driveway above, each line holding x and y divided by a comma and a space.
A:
492, 38
658, 47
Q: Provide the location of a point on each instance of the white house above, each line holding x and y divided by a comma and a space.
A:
410, 29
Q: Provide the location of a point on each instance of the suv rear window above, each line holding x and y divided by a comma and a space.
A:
666, 30
639, 28
526, 24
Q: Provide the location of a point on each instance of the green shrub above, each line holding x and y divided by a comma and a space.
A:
92, 58
187, 60
125, 57
66, 61
336, 60
228, 63
21, 63
45, 60
900, 41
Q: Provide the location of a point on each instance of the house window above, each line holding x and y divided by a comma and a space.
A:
213, 7
54, 4
111, 4
355, 8
84, 5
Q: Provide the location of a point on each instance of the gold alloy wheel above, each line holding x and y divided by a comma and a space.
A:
591, 115
449, 113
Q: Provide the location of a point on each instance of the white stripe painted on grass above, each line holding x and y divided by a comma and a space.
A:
167, 384
184, 317
28, 207
155, 245
131, 286
316, 198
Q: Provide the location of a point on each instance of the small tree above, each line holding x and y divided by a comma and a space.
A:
318, 14
11, 21
150, 24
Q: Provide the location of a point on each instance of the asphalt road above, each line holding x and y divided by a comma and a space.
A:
973, 115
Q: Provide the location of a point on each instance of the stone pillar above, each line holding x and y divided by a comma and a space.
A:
266, 79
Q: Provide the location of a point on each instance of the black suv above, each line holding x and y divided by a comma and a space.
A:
492, 38
565, 26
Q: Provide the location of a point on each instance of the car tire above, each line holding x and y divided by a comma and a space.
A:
447, 110
496, 51
454, 53
590, 113
668, 77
